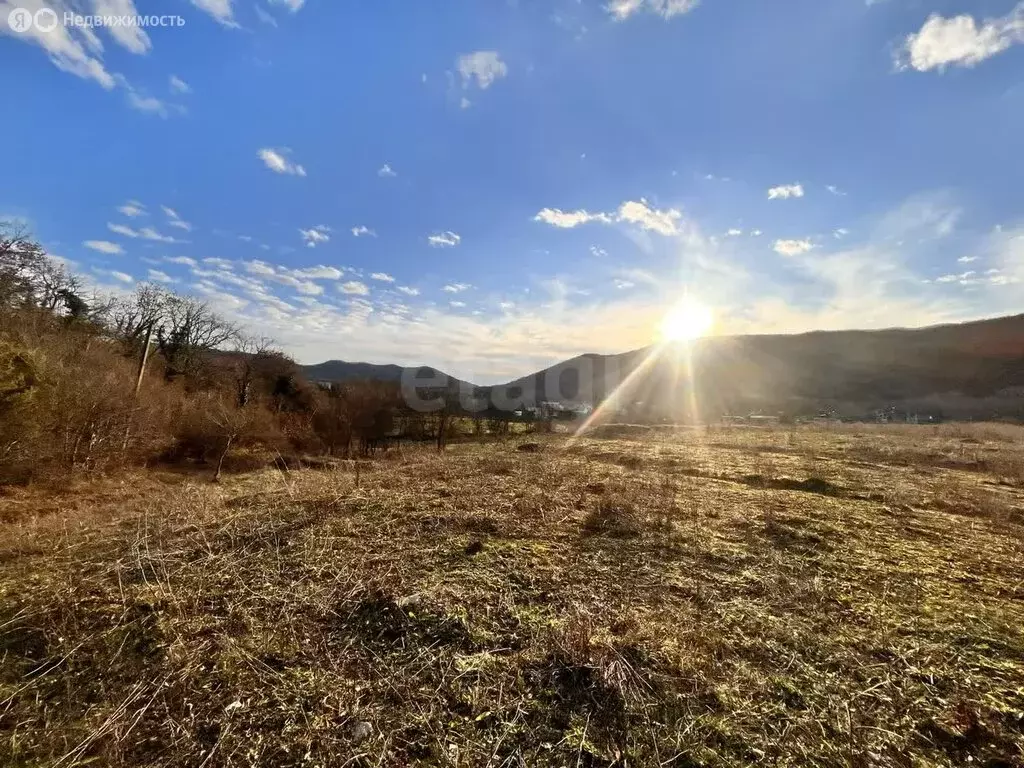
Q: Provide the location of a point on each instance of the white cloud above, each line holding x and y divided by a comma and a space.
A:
363, 231
991, 277
444, 239
220, 10
641, 214
142, 102
315, 236
623, 9
456, 287
756, 233
383, 277
967, 259
78, 50
840, 233
457, 304
569, 219
623, 285
465, 103
160, 277
188, 262
786, 191
960, 41
292, 5
835, 190
132, 209
276, 161
103, 246
297, 279
319, 273
386, 172
637, 212
260, 268
1003, 280
482, 66
354, 287
121, 229
598, 252
75, 50
174, 220
148, 233
179, 86
308, 287
264, 16
408, 291
734, 232
124, 277
932, 216
129, 36
792, 247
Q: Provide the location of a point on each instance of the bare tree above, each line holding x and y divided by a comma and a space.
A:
247, 362
189, 330
133, 317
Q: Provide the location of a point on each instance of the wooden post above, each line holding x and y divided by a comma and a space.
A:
138, 385
143, 360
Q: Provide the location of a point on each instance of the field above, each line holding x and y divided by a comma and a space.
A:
819, 595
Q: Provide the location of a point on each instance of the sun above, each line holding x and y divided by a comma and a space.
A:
686, 321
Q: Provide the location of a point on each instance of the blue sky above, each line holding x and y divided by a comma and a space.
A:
490, 187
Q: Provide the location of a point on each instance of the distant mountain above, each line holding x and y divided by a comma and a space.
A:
965, 370
337, 371
974, 368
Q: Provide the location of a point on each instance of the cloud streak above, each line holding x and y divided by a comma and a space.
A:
636, 212
277, 161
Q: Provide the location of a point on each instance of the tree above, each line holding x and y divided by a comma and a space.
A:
187, 332
246, 363
30, 278
132, 318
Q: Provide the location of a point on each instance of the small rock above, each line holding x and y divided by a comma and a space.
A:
410, 601
360, 731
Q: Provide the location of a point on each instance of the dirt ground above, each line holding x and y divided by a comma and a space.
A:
826, 596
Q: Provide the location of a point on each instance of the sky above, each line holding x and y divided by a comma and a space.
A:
491, 186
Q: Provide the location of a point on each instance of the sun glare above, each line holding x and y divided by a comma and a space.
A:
688, 320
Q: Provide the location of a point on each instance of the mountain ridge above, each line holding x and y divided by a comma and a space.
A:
976, 360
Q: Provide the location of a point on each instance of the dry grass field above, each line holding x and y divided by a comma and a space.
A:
827, 596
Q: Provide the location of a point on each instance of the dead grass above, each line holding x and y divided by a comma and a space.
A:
791, 597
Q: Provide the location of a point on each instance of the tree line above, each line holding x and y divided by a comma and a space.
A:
91, 382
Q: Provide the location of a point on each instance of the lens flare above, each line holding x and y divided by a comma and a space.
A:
687, 321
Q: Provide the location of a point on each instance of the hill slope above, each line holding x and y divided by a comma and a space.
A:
976, 363
341, 371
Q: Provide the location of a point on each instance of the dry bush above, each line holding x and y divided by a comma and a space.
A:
614, 517
211, 424
75, 409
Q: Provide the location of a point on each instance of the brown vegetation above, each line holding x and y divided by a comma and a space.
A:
809, 596
89, 384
